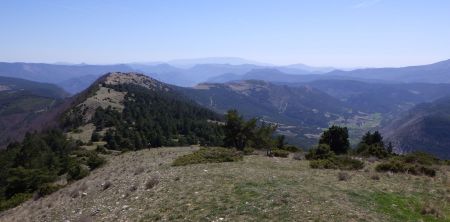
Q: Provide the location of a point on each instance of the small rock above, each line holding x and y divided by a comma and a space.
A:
124, 207
83, 194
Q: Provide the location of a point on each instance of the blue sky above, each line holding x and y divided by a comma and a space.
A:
341, 33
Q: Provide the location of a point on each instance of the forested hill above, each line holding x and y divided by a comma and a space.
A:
132, 111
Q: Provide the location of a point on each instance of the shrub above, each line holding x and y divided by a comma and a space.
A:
428, 209
94, 161
280, 153
343, 176
421, 158
291, 148
139, 170
77, 172
337, 162
372, 145
81, 153
337, 138
406, 165
77, 130
14, 201
46, 189
248, 150
375, 150
152, 182
322, 164
322, 151
375, 177
298, 156
106, 185
95, 137
101, 149
208, 155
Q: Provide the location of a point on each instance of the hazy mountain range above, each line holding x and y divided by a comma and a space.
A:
302, 104
74, 78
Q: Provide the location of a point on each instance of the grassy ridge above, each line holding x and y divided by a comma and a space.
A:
254, 189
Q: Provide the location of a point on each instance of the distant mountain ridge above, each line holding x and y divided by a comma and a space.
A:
76, 77
433, 73
276, 75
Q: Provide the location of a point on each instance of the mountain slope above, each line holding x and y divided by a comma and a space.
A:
23, 105
300, 110
8, 84
433, 73
389, 99
426, 127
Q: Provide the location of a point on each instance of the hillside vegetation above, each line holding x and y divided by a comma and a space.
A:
144, 186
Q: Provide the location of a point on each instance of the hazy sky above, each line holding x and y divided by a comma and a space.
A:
341, 33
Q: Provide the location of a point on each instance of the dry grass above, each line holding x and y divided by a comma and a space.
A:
258, 188
84, 133
104, 97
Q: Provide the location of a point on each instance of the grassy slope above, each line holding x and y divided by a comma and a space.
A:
258, 188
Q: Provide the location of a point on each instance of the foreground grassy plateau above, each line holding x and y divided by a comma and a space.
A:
144, 186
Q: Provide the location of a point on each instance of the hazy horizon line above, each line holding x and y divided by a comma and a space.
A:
250, 62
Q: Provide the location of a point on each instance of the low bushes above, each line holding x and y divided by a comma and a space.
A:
94, 161
151, 182
46, 189
414, 163
337, 162
343, 176
14, 200
209, 155
323, 151
291, 148
77, 172
280, 153
322, 157
421, 158
248, 150
398, 165
374, 150
298, 156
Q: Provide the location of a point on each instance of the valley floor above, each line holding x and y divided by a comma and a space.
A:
143, 186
